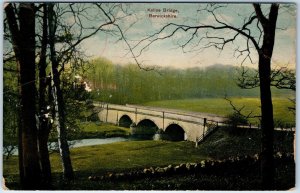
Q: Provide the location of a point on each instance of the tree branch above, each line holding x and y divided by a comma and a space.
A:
259, 14
239, 110
284, 78
172, 28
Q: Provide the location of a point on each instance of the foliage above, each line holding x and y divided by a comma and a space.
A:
10, 121
130, 84
235, 119
11, 105
75, 97
238, 117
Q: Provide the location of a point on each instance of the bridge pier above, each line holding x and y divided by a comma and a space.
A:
163, 113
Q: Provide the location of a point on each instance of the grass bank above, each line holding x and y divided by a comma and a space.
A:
132, 155
222, 107
89, 130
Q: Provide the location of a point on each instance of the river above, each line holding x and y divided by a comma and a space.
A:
88, 142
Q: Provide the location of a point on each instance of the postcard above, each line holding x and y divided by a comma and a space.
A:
149, 96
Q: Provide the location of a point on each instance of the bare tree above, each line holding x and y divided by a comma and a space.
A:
257, 30
65, 38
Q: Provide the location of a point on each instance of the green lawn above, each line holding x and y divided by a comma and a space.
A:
222, 107
122, 156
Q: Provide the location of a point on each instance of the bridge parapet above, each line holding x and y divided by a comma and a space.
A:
149, 112
120, 107
178, 113
184, 117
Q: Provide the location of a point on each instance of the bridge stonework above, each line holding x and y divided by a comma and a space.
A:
194, 126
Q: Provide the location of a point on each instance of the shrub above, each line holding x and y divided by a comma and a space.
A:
236, 119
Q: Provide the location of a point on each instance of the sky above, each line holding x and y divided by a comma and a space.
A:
168, 53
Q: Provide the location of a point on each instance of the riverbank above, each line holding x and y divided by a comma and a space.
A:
91, 130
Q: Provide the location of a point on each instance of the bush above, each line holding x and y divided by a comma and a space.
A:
236, 119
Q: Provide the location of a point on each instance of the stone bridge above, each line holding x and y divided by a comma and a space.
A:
175, 125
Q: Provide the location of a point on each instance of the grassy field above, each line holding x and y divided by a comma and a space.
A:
222, 107
124, 156
101, 130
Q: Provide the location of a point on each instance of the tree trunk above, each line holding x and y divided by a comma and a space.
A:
60, 125
24, 48
44, 156
44, 126
32, 171
267, 122
43, 136
59, 102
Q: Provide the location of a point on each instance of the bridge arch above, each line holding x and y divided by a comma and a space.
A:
125, 121
145, 129
175, 132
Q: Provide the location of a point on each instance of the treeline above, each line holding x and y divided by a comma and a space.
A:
129, 84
